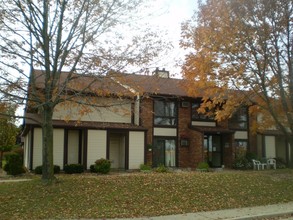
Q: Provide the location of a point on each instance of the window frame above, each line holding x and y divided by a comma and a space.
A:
200, 116
236, 120
164, 117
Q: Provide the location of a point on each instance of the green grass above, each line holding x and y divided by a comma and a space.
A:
137, 194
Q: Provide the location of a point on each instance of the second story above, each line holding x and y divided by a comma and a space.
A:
151, 101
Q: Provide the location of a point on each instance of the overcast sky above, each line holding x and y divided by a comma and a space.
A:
174, 12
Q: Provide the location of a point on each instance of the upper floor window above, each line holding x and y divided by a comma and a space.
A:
239, 120
165, 113
200, 116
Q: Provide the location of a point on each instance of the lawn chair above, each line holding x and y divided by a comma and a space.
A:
257, 164
271, 163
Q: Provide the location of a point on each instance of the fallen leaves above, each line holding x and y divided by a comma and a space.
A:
134, 195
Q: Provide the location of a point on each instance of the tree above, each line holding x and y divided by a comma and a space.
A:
243, 45
8, 130
83, 37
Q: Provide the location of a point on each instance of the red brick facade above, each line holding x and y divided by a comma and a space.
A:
186, 156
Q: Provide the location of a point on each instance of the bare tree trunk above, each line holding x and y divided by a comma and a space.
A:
48, 167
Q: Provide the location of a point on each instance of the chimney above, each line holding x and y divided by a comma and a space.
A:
161, 73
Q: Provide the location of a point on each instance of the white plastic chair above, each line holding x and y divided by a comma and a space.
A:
271, 163
257, 164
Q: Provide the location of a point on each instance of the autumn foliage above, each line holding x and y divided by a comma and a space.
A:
240, 53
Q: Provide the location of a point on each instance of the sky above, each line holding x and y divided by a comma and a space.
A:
174, 12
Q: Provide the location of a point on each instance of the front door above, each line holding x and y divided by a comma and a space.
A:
213, 150
117, 151
164, 152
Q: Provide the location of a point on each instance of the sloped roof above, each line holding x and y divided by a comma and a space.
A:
101, 85
119, 84
146, 84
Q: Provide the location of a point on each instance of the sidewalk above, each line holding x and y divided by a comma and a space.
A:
259, 212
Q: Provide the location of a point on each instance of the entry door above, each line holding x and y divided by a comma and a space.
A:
213, 150
117, 151
164, 152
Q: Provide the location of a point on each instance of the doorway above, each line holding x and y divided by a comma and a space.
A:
164, 152
117, 151
213, 150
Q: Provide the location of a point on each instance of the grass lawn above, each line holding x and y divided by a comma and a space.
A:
143, 194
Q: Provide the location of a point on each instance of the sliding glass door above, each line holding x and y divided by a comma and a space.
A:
164, 152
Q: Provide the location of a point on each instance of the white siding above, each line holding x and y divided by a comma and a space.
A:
97, 145
270, 146
136, 149
113, 110
204, 123
171, 132
241, 135
58, 147
27, 142
73, 144
37, 151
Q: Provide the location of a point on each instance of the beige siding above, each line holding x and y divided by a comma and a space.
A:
112, 110
204, 123
26, 147
97, 145
171, 132
37, 151
241, 135
73, 143
58, 147
270, 146
136, 149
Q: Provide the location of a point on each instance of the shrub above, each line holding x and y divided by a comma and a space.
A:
13, 164
93, 168
244, 162
161, 169
39, 169
203, 166
103, 166
280, 163
145, 167
73, 168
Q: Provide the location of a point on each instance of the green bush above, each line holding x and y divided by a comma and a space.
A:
73, 168
93, 168
103, 166
13, 164
161, 169
203, 166
280, 163
145, 167
39, 169
244, 162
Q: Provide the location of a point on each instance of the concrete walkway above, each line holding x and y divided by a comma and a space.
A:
259, 212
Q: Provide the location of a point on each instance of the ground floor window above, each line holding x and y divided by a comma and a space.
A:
164, 152
240, 147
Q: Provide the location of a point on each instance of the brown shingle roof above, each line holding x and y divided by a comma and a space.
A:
101, 85
145, 84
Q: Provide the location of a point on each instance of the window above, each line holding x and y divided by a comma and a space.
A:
165, 113
241, 147
164, 152
239, 119
200, 116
